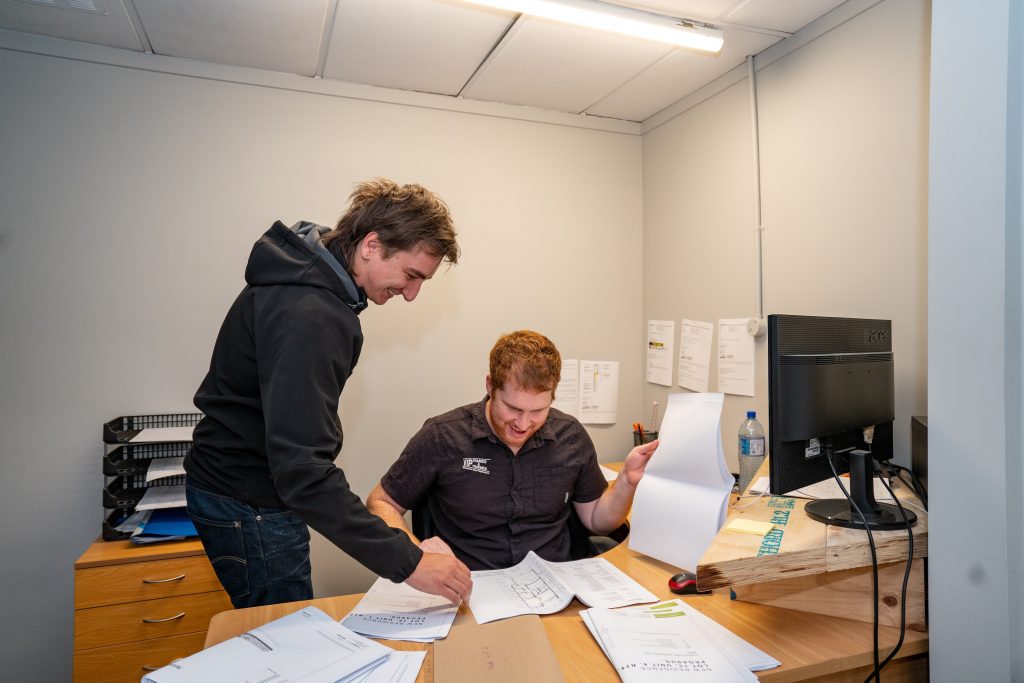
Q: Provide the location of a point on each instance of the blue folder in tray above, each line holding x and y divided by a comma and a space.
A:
166, 524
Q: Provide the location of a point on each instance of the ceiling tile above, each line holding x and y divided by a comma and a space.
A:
424, 45
788, 16
676, 76
560, 67
705, 10
263, 34
111, 27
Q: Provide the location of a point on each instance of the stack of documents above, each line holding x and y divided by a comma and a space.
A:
671, 641
687, 480
395, 611
823, 489
536, 586
305, 646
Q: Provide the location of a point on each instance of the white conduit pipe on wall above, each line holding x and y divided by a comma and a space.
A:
756, 328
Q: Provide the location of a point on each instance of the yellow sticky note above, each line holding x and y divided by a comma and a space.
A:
749, 526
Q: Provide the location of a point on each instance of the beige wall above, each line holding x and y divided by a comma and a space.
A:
130, 202
843, 130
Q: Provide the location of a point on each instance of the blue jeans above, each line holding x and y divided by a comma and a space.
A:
260, 555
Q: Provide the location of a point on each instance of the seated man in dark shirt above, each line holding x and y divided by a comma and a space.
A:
498, 476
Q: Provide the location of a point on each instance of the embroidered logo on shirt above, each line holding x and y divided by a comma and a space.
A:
476, 465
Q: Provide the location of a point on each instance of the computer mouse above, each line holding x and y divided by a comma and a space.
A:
684, 583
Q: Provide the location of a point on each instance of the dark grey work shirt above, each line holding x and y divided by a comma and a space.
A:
489, 505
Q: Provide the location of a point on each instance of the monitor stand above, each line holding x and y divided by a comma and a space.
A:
839, 511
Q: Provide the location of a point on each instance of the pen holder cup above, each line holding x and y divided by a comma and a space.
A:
648, 437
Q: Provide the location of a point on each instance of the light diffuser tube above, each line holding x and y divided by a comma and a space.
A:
615, 19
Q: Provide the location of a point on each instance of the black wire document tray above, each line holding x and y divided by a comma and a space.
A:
166, 428
132, 459
126, 492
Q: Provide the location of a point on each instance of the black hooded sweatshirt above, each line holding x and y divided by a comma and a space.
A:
271, 430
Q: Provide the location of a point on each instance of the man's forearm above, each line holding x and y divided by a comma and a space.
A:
612, 507
391, 515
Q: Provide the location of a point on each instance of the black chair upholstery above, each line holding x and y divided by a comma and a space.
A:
582, 543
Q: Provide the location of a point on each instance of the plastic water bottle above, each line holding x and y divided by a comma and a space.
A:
751, 451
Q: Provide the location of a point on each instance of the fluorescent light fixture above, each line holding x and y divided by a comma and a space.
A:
624, 20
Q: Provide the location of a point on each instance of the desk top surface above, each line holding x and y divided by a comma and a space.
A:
808, 645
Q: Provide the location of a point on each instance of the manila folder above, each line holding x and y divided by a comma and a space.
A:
506, 651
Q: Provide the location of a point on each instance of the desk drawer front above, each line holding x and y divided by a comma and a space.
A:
124, 663
113, 624
113, 584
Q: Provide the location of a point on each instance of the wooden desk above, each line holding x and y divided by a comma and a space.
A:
810, 646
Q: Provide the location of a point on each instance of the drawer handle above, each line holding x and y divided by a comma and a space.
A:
173, 578
160, 621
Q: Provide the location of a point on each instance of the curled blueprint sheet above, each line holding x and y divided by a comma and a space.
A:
683, 498
397, 611
536, 586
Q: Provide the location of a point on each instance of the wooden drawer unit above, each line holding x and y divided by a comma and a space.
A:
140, 607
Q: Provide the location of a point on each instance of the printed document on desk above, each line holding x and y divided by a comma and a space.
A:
536, 586
652, 645
683, 498
306, 646
396, 611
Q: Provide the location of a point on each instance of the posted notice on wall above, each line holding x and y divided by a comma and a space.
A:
567, 393
599, 391
660, 343
735, 357
695, 354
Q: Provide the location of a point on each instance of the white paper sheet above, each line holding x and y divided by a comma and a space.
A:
535, 586
735, 357
599, 391
695, 354
397, 611
609, 475
305, 646
401, 666
162, 497
162, 434
567, 393
160, 468
644, 648
823, 489
661, 336
682, 500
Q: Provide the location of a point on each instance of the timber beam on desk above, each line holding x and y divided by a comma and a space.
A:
806, 565
810, 646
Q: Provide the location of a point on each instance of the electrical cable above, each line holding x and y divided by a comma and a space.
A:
906, 577
876, 673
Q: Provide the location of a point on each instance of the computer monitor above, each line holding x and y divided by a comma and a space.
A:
831, 392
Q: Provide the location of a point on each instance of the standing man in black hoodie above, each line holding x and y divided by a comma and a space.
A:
262, 463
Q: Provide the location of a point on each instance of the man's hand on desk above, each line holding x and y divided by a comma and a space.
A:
442, 574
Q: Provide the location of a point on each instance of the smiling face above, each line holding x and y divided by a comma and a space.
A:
516, 414
401, 272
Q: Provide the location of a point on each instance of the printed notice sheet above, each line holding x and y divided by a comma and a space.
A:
305, 646
660, 339
396, 611
599, 391
567, 393
652, 644
695, 354
735, 358
687, 480
536, 586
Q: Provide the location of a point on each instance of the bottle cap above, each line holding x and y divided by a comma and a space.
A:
751, 414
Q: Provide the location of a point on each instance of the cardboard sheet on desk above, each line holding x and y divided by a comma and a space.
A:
506, 651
